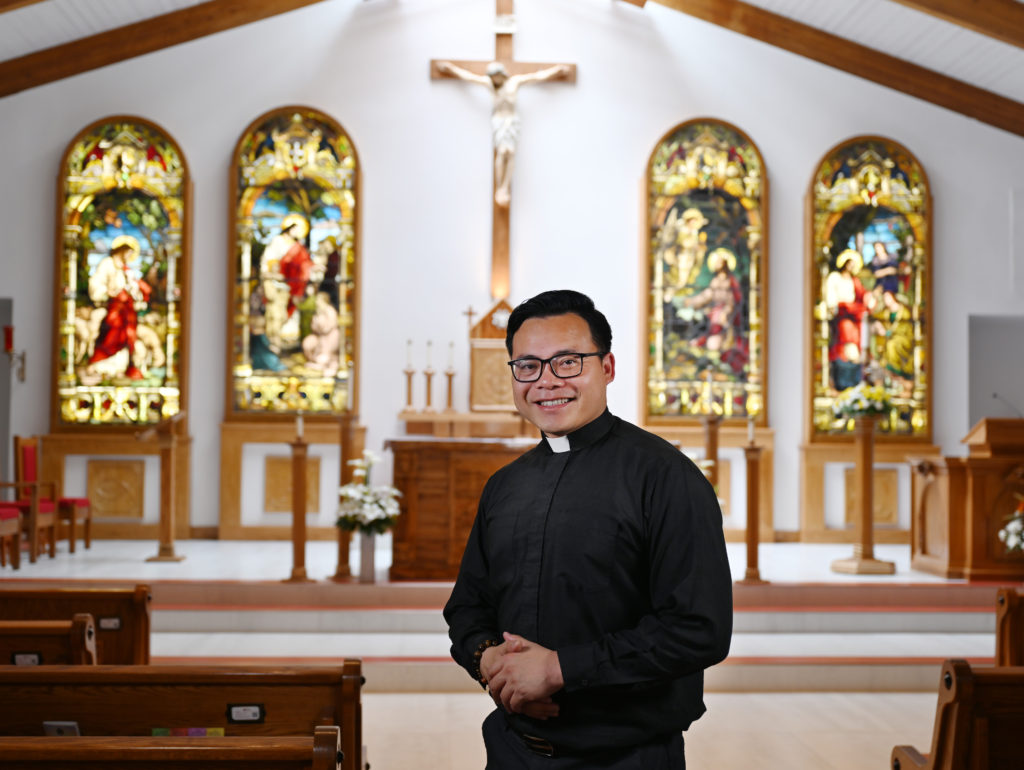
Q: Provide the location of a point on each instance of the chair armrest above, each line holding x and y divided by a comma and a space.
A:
907, 758
33, 486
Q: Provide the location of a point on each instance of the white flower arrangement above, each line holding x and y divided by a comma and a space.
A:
862, 399
1012, 533
371, 510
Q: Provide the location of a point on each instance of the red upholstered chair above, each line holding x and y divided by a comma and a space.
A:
10, 534
71, 510
38, 516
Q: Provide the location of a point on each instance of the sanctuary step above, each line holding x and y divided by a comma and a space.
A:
845, 641
807, 630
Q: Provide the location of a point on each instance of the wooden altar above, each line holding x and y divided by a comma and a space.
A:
441, 481
960, 504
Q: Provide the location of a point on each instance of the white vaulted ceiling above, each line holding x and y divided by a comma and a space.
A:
965, 55
922, 38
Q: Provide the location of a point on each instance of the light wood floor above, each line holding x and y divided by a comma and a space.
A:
766, 731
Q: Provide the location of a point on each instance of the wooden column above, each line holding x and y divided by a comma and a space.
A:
348, 450
752, 452
166, 433
711, 424
299, 454
863, 561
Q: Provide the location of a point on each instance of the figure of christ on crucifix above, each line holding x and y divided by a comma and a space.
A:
502, 75
504, 120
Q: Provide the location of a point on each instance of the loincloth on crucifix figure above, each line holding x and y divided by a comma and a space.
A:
504, 120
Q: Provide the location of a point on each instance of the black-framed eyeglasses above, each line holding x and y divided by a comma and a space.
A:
563, 366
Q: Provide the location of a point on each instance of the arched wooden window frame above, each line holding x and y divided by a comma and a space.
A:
139, 159
737, 171
869, 171
295, 158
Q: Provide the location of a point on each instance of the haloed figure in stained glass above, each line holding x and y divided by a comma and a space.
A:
118, 295
720, 301
847, 302
286, 269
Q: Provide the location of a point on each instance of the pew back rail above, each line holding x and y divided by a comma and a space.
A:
245, 701
122, 616
322, 751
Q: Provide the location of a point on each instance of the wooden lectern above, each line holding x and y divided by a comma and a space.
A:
961, 503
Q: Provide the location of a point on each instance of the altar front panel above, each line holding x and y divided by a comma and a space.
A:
441, 482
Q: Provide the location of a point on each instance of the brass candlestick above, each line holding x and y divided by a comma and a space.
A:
450, 374
429, 374
752, 453
409, 372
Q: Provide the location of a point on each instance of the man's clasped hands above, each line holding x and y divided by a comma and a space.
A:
522, 676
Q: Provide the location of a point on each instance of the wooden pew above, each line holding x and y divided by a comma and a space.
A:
122, 616
49, 642
979, 721
321, 751
1009, 628
134, 700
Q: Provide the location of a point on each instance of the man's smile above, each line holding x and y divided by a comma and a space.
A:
553, 402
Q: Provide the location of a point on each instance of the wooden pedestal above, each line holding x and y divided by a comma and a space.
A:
863, 561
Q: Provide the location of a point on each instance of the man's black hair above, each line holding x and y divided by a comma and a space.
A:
560, 302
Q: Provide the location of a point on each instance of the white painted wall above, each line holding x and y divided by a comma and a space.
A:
576, 210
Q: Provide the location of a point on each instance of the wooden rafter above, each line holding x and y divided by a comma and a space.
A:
868, 63
131, 40
11, 5
1000, 19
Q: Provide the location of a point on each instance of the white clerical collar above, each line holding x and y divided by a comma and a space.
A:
558, 443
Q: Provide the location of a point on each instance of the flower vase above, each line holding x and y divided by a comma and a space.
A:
367, 551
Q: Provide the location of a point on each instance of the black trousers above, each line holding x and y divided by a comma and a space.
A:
506, 751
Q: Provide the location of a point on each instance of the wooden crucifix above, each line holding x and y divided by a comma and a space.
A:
503, 76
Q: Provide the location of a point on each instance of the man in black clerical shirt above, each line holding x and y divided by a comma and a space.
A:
595, 587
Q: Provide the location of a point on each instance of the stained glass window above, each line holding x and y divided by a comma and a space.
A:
122, 276
870, 284
707, 205
295, 268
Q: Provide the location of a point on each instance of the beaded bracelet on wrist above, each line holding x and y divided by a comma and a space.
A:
478, 655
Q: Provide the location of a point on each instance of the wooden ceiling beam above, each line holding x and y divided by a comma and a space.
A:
13, 5
131, 40
855, 59
999, 19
